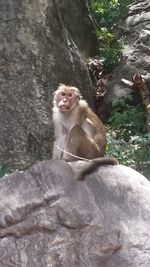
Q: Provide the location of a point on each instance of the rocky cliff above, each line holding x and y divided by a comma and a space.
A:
42, 43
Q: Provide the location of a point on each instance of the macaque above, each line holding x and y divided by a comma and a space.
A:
79, 133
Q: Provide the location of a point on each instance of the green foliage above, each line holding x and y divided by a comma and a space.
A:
141, 145
126, 140
108, 13
3, 170
126, 118
119, 148
111, 49
134, 153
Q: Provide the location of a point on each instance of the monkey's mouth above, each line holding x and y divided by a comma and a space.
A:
64, 108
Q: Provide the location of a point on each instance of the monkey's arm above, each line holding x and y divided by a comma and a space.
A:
89, 128
93, 165
60, 138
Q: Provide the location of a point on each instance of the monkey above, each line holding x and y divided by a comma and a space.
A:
81, 171
79, 133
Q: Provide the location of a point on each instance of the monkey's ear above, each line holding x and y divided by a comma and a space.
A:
62, 84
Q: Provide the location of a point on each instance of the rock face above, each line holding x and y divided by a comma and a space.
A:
42, 43
49, 219
135, 28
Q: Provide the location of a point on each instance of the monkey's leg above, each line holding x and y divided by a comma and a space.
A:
79, 144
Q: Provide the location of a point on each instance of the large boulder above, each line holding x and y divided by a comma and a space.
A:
47, 218
135, 29
42, 43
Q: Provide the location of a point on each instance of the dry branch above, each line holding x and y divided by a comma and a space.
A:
139, 83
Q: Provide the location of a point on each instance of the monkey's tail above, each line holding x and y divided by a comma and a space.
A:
93, 165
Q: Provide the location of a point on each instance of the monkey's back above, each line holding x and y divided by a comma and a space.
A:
100, 131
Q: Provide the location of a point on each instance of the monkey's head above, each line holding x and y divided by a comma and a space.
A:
66, 98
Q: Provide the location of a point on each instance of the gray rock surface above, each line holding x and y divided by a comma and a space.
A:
135, 28
48, 219
42, 43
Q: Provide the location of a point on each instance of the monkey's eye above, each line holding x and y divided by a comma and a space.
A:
70, 95
62, 94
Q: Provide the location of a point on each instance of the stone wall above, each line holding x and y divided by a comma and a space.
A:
42, 43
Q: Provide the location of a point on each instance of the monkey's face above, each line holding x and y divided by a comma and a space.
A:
66, 100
